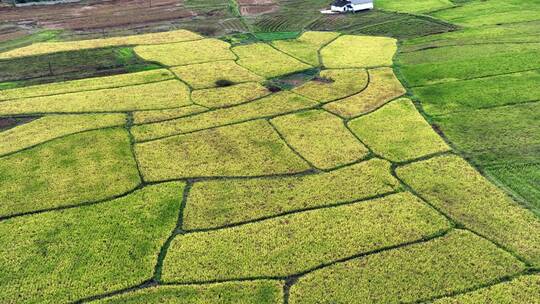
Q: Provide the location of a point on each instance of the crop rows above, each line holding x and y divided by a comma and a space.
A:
207, 183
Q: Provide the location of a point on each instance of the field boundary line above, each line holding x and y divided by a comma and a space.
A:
83, 91
295, 211
72, 206
494, 282
119, 126
158, 269
471, 78
438, 234
512, 104
128, 126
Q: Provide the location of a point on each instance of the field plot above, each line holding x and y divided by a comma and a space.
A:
162, 95
478, 86
263, 60
206, 75
184, 53
255, 172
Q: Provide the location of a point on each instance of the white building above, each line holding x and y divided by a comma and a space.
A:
351, 5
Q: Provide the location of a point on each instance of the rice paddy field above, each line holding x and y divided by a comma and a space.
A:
390, 156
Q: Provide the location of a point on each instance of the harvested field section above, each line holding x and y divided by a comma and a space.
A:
454, 263
230, 95
334, 84
307, 46
149, 116
88, 84
457, 189
122, 17
86, 251
321, 138
152, 96
219, 203
79, 168
55, 47
184, 53
383, 86
298, 242
392, 138
54, 126
249, 149
362, 52
266, 61
524, 289
275, 104
206, 75
249, 292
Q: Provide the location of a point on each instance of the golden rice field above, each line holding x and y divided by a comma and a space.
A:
201, 182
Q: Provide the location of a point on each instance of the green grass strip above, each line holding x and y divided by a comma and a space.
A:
76, 253
452, 63
452, 185
462, 96
456, 262
224, 202
514, 32
298, 242
413, 6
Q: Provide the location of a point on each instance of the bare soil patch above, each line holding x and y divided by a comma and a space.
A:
97, 14
11, 122
255, 2
252, 10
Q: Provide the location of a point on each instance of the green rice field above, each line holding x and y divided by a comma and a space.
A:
390, 156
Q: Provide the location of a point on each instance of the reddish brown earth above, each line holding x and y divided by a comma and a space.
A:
252, 10
94, 14
255, 2
257, 7
12, 35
